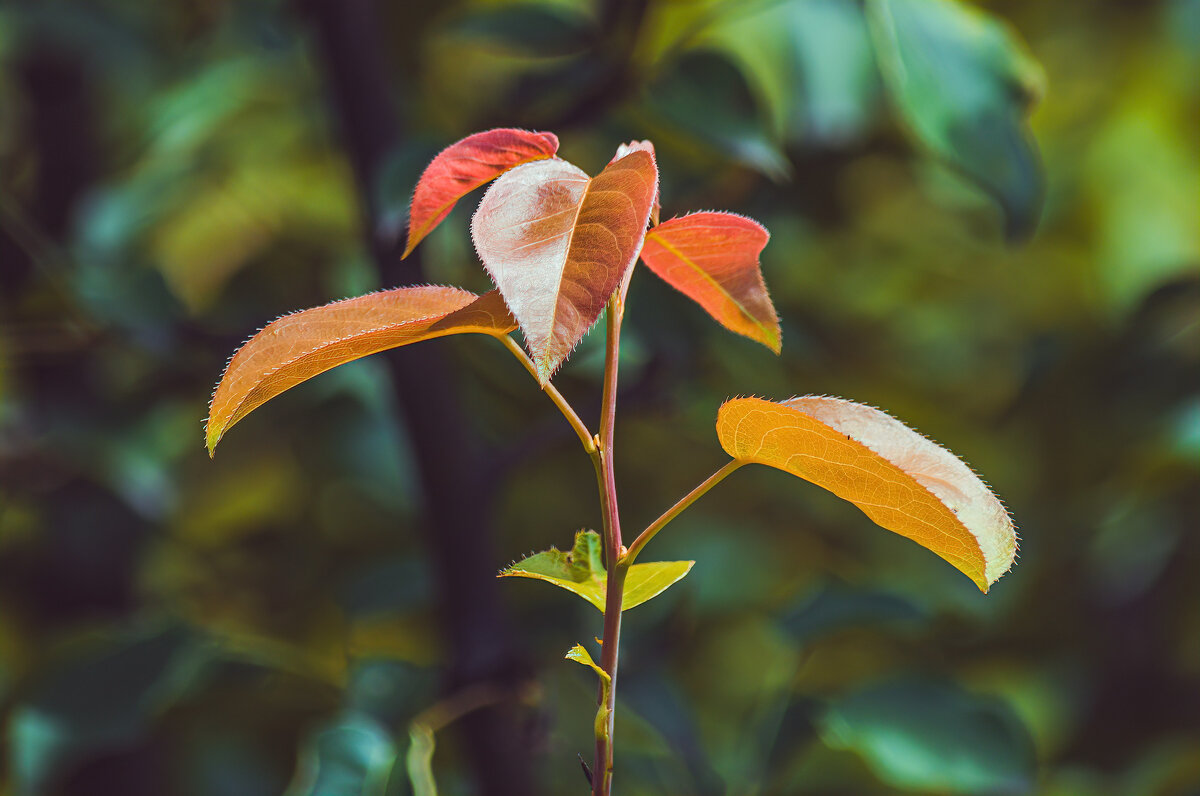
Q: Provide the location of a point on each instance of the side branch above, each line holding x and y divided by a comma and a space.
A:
677, 509
585, 436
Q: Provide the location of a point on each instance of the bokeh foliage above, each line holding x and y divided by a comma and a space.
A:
1020, 282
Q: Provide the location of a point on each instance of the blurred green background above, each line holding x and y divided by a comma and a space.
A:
984, 219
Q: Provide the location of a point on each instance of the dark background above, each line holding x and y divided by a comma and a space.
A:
173, 175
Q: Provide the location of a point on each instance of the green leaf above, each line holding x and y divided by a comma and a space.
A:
582, 571
964, 85
579, 654
933, 736
704, 95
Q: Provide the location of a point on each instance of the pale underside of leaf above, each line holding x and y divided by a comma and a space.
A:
558, 243
713, 259
304, 344
900, 479
466, 165
582, 572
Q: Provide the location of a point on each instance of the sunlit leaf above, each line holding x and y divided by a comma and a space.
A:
713, 259
464, 166
899, 479
582, 571
964, 84
579, 654
299, 346
930, 736
558, 243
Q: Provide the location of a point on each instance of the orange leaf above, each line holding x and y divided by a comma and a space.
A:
558, 243
900, 479
299, 346
713, 259
464, 166
644, 146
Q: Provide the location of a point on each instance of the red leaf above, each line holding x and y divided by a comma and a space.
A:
558, 243
462, 167
644, 146
713, 259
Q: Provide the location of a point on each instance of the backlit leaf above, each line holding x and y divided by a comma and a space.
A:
582, 571
713, 259
558, 243
301, 345
900, 479
464, 166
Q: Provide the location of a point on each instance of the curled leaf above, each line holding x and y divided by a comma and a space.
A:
464, 166
582, 572
299, 346
558, 243
712, 258
900, 479
580, 655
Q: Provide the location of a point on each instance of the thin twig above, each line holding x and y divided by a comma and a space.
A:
581, 430
691, 497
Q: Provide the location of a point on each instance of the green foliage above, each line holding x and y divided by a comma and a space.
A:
581, 571
925, 735
964, 85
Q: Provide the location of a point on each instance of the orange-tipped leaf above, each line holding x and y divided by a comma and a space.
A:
900, 479
712, 258
558, 243
299, 346
464, 166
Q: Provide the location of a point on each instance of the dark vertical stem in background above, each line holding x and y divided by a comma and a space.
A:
61, 126
458, 537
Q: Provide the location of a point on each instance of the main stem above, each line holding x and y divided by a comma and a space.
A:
614, 550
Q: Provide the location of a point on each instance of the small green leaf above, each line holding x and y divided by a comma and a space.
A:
579, 654
582, 571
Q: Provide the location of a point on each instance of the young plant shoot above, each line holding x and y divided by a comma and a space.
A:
560, 247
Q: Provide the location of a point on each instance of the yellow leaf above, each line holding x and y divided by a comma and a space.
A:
900, 479
582, 572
